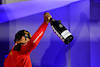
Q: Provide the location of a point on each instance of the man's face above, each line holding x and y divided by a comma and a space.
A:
24, 39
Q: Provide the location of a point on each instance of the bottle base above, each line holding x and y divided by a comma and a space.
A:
68, 39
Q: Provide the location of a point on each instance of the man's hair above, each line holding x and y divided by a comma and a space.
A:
21, 33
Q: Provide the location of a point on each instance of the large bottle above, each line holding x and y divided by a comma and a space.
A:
61, 31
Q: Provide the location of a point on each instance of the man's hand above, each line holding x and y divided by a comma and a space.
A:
47, 17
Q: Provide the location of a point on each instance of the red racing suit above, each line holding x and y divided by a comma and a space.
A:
21, 58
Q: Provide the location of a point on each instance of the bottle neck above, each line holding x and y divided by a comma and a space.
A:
54, 21
51, 19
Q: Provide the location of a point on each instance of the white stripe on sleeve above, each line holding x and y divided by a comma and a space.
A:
38, 37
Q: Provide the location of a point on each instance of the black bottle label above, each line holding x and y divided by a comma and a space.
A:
57, 33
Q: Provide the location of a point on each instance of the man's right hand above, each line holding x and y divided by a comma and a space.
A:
47, 17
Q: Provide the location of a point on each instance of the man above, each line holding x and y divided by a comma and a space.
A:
19, 56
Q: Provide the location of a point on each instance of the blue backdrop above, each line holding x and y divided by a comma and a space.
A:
81, 18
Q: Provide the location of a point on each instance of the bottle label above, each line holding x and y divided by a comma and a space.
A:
65, 34
60, 25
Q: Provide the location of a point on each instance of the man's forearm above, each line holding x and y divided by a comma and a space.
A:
35, 39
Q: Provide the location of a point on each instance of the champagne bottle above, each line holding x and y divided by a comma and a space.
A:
61, 31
